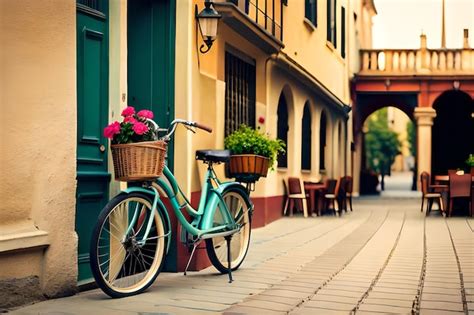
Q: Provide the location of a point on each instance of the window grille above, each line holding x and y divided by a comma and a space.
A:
343, 32
311, 11
240, 92
331, 22
93, 4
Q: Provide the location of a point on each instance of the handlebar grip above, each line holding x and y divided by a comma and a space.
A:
203, 127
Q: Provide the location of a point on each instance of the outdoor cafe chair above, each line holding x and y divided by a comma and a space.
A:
428, 194
348, 192
296, 196
332, 194
459, 187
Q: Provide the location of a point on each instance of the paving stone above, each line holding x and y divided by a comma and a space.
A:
438, 312
237, 310
437, 305
335, 298
389, 302
336, 306
384, 308
277, 299
441, 291
441, 297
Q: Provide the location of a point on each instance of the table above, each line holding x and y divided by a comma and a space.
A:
315, 191
445, 193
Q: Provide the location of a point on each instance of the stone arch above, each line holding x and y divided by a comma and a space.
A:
285, 115
452, 131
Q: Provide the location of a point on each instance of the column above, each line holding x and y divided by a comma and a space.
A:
424, 121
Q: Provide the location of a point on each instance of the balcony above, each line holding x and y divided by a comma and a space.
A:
417, 62
259, 21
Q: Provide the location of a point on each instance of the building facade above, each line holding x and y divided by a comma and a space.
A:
69, 67
434, 88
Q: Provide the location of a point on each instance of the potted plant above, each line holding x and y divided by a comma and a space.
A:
253, 153
470, 162
136, 153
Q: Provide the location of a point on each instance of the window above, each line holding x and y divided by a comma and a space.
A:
306, 139
239, 91
322, 142
311, 11
343, 32
331, 22
282, 132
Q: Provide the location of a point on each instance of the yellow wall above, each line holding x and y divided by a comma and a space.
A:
38, 141
305, 45
308, 45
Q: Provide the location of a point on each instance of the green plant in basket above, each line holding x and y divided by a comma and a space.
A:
470, 160
246, 140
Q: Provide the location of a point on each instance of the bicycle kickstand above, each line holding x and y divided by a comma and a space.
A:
229, 258
195, 245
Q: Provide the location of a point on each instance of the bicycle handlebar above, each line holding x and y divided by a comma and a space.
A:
203, 127
172, 128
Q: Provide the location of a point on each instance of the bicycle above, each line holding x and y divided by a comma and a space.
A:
133, 232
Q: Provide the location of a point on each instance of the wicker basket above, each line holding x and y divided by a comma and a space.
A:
139, 161
248, 168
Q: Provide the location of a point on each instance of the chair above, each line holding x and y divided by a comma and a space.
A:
428, 194
459, 187
296, 196
331, 195
341, 195
451, 172
348, 190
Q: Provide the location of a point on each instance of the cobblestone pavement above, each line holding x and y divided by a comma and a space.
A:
385, 257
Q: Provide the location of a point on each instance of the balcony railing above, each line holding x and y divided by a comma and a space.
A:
417, 61
266, 13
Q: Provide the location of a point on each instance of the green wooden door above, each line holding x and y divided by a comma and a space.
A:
151, 50
92, 112
150, 58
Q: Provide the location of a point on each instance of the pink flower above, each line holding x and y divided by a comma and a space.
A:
111, 130
128, 111
130, 119
145, 114
140, 128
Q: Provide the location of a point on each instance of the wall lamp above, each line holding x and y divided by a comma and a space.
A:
207, 21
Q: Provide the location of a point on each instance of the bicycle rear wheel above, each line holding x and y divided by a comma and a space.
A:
124, 263
217, 247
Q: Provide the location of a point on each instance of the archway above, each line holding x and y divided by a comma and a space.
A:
388, 153
453, 131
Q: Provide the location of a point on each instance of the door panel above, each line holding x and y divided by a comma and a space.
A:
150, 58
92, 112
151, 49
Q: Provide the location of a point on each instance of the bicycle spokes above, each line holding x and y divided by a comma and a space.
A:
126, 253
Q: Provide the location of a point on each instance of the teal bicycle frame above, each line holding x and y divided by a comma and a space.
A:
202, 225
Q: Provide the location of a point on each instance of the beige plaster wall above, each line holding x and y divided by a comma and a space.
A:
117, 71
38, 137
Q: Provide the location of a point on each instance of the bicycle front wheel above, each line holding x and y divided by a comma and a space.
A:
123, 261
217, 247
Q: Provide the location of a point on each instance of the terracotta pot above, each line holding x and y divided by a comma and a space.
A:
248, 167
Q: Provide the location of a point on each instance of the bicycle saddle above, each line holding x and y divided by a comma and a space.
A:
213, 155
